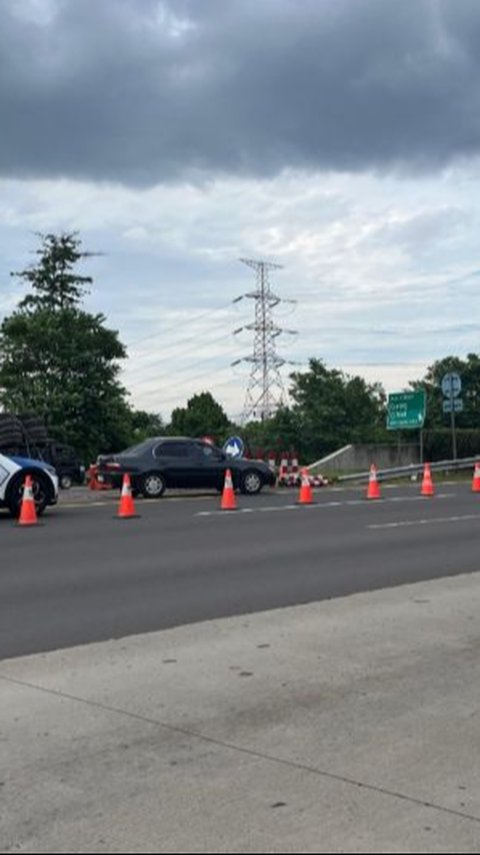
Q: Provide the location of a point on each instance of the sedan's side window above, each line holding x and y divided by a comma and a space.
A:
207, 451
173, 449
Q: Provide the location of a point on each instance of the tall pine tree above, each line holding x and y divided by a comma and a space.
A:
61, 362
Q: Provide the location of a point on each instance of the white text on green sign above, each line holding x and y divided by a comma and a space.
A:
406, 410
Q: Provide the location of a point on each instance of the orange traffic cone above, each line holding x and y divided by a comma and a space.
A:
229, 502
427, 483
28, 511
373, 491
305, 497
476, 479
126, 510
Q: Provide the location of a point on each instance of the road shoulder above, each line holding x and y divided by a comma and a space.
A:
348, 725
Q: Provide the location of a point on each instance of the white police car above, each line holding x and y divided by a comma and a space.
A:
14, 470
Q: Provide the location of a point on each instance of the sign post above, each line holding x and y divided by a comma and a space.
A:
451, 388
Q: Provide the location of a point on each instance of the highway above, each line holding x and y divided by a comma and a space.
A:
84, 576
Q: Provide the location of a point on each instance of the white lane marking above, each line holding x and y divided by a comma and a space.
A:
319, 505
431, 521
396, 499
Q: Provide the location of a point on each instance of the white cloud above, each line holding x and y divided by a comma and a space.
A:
384, 270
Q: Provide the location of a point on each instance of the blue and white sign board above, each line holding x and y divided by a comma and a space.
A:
455, 404
234, 447
451, 385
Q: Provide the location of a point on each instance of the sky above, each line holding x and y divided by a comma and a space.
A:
339, 139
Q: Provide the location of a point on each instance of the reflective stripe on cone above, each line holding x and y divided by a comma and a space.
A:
28, 511
126, 509
373, 491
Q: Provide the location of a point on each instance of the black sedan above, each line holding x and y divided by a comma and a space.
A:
162, 462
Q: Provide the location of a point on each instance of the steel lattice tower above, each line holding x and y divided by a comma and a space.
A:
265, 390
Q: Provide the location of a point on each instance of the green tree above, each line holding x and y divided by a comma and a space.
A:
469, 370
145, 425
437, 436
61, 362
282, 432
203, 416
333, 409
56, 286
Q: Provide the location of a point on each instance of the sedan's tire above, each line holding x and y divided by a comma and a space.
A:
152, 485
42, 492
251, 483
65, 482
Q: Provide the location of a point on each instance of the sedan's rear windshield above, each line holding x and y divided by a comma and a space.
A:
135, 450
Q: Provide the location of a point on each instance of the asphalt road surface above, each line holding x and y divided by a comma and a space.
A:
84, 576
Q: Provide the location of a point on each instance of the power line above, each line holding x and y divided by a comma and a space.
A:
190, 380
160, 358
169, 402
170, 352
183, 377
174, 326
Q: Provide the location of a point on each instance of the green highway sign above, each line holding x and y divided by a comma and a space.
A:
406, 410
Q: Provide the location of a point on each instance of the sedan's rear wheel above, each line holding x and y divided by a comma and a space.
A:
153, 485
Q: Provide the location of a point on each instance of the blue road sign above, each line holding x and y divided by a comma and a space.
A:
455, 404
234, 447
451, 385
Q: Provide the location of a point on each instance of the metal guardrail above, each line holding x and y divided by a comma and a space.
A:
413, 469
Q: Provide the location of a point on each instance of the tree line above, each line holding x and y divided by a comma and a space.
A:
62, 362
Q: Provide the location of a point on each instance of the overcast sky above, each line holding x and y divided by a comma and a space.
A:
339, 138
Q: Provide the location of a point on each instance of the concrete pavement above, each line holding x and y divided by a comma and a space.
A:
344, 726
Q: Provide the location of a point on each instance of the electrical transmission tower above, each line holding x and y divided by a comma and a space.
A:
265, 390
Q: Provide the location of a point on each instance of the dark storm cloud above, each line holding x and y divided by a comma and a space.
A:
141, 91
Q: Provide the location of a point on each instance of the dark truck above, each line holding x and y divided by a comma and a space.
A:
27, 436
